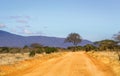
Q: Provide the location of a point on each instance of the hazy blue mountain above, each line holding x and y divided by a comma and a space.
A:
13, 40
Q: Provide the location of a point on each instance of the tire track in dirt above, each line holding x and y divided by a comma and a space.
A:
71, 64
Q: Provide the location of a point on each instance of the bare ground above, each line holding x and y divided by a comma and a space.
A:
69, 64
109, 58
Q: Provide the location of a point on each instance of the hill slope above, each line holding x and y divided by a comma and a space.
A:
13, 40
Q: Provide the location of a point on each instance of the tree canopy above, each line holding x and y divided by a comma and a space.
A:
117, 37
74, 38
106, 44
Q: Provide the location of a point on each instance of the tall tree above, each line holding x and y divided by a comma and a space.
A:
74, 38
117, 37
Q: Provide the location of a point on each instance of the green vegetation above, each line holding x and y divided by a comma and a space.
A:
49, 50
89, 47
40, 51
32, 53
36, 45
36, 49
117, 39
74, 38
107, 44
4, 50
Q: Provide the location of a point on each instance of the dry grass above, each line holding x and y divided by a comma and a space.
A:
10, 63
109, 58
8, 59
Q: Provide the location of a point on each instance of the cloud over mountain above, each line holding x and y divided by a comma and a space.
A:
2, 25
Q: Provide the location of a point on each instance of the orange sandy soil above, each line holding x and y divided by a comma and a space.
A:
109, 58
66, 64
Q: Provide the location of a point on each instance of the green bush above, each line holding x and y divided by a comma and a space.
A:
77, 48
71, 48
39, 51
15, 50
89, 47
32, 53
4, 50
49, 50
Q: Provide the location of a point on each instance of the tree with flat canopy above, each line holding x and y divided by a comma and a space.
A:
74, 38
107, 44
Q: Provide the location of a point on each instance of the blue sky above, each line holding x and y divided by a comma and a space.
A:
92, 19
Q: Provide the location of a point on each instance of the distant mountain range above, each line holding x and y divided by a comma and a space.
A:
12, 40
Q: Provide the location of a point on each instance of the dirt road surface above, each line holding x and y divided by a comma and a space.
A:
71, 64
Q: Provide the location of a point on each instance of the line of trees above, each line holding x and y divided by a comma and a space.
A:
99, 46
75, 38
107, 44
112, 45
33, 49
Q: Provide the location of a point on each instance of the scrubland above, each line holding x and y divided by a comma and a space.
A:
109, 58
18, 63
11, 63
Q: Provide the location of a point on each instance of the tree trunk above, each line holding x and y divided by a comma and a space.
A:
75, 46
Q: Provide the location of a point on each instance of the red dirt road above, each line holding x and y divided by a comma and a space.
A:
70, 64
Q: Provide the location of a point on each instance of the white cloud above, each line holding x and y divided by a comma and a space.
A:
22, 21
27, 31
39, 33
19, 17
2, 25
15, 17
23, 27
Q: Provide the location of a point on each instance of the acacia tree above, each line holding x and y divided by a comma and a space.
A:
117, 37
74, 38
107, 44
